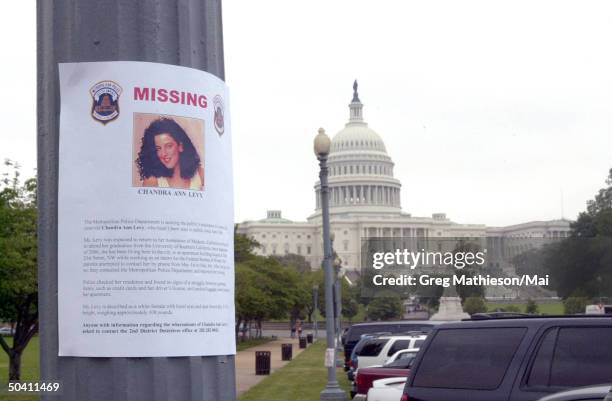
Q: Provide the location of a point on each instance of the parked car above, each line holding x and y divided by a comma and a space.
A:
367, 342
511, 359
6, 331
590, 393
366, 339
387, 389
399, 366
379, 346
380, 351
343, 335
376, 350
403, 357
354, 333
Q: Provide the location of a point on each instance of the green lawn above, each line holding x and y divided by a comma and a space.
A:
300, 380
547, 309
29, 369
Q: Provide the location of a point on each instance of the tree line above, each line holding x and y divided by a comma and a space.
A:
580, 266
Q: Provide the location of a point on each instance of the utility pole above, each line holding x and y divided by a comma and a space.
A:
179, 32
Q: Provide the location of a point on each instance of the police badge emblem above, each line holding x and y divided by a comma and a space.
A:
105, 107
219, 118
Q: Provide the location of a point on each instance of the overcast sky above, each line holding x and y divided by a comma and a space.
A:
490, 110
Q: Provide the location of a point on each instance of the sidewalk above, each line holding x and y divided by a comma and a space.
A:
245, 362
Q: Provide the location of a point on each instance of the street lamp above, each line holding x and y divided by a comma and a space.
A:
338, 288
337, 265
332, 390
315, 298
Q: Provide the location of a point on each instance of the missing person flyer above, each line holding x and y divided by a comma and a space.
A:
145, 241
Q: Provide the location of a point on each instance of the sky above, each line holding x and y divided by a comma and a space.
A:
494, 112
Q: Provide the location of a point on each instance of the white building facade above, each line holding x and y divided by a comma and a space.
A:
365, 201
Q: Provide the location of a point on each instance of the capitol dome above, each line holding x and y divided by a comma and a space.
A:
357, 136
360, 170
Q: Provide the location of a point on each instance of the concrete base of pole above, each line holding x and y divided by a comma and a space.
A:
333, 392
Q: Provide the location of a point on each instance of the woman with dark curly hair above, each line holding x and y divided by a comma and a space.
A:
167, 157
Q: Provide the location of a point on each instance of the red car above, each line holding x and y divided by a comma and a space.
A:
366, 376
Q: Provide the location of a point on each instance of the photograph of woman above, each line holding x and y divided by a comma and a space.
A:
168, 157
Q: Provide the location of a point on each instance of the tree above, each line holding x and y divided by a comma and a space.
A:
469, 270
345, 293
579, 266
267, 290
310, 280
573, 305
243, 247
530, 262
300, 276
597, 219
251, 300
385, 308
298, 262
350, 300
18, 264
473, 305
531, 307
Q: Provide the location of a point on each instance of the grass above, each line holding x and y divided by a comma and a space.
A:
29, 369
300, 380
253, 342
547, 309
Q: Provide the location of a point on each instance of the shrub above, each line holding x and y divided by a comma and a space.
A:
531, 307
573, 305
474, 305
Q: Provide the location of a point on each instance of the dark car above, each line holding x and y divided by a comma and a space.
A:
354, 333
511, 359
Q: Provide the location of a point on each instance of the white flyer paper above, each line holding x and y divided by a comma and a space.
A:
145, 224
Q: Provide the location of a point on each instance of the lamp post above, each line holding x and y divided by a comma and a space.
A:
315, 298
337, 265
338, 305
332, 390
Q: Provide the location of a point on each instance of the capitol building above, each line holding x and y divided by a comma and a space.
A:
365, 202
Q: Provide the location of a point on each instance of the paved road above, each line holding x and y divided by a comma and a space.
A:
287, 333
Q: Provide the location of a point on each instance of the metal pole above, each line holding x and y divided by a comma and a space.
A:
179, 32
335, 285
332, 390
335, 308
315, 290
338, 311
